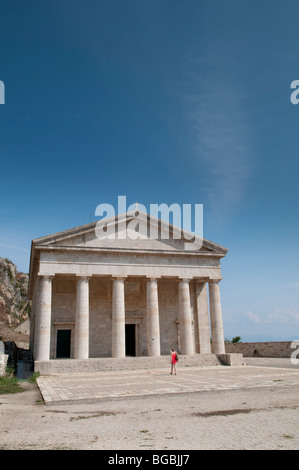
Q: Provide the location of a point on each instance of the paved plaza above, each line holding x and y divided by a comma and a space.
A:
219, 407
95, 386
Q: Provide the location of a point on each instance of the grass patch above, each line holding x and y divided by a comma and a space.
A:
33, 378
9, 384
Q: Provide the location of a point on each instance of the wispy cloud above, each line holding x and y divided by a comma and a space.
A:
278, 315
284, 315
253, 317
13, 247
221, 139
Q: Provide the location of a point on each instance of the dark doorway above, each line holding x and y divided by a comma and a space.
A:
130, 340
63, 348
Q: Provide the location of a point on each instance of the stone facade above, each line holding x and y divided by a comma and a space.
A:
95, 297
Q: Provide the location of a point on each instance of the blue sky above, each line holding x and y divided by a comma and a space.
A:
161, 101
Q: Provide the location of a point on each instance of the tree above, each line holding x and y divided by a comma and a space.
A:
236, 339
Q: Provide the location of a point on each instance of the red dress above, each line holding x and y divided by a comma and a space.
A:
173, 358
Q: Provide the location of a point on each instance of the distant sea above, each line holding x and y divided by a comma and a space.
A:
264, 338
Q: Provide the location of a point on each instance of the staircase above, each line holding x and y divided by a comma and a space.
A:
69, 366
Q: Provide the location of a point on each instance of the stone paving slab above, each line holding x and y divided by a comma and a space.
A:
94, 386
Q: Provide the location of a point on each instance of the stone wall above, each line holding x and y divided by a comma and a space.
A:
265, 349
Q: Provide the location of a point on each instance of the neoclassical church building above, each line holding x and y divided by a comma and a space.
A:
100, 296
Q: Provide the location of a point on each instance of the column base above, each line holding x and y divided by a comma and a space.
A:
231, 359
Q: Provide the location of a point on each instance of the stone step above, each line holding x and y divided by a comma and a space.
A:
68, 366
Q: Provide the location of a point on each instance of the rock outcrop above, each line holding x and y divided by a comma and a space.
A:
14, 304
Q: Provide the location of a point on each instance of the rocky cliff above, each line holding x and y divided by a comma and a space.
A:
14, 303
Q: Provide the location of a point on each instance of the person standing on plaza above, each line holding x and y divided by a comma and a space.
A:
174, 360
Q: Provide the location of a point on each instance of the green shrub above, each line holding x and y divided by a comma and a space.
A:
9, 384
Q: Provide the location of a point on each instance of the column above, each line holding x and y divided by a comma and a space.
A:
216, 318
81, 350
43, 319
203, 317
33, 318
152, 315
185, 317
118, 318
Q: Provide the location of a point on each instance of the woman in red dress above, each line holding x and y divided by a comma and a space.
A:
173, 361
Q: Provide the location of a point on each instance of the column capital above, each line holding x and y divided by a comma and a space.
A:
185, 279
214, 281
45, 276
201, 280
153, 278
119, 278
82, 277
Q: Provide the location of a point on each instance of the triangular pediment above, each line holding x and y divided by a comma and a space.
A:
131, 231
